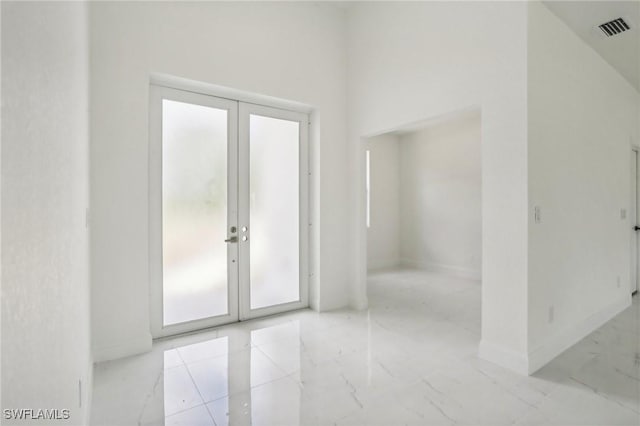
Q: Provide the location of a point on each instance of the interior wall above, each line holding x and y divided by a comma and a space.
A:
45, 193
583, 119
289, 50
408, 61
383, 234
440, 193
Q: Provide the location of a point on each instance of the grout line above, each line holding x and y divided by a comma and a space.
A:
200, 393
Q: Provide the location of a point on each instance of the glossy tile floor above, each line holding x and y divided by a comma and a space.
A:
409, 359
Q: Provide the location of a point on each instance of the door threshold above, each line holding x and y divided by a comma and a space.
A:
216, 327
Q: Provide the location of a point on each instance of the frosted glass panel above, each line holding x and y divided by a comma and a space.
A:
274, 211
194, 211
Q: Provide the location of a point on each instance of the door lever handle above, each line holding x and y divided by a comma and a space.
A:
233, 239
636, 228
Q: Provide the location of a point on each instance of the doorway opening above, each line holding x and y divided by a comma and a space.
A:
229, 210
424, 233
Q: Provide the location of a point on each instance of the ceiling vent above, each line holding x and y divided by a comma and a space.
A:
614, 27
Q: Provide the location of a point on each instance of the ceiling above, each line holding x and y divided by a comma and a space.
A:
621, 51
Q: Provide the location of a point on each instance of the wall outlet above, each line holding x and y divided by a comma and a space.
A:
537, 214
551, 314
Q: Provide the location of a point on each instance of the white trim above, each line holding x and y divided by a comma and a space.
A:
314, 211
560, 342
131, 346
457, 271
507, 358
170, 81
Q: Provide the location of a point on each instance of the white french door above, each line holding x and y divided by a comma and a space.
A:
273, 210
228, 210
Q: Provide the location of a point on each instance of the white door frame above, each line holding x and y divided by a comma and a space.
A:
238, 171
157, 94
245, 111
634, 216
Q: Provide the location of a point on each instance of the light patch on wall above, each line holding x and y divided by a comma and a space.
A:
368, 173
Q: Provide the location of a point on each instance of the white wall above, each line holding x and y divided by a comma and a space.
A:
292, 51
383, 235
414, 60
583, 117
45, 244
440, 187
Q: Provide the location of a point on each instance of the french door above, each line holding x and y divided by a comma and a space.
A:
228, 210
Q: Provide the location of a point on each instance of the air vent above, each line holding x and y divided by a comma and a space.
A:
614, 27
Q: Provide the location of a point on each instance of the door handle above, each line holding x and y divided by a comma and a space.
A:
636, 228
233, 239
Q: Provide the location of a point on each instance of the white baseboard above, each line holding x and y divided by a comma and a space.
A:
507, 358
381, 265
528, 364
132, 346
560, 342
445, 269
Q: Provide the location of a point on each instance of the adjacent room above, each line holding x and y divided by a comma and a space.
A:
320, 213
424, 221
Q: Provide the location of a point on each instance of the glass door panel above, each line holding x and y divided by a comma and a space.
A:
273, 199
273, 205
194, 211
194, 157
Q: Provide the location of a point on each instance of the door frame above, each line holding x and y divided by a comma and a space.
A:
634, 219
157, 95
245, 111
164, 87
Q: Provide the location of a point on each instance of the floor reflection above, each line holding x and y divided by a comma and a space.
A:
410, 359
241, 378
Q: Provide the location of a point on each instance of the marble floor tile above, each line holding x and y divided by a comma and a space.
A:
180, 392
203, 350
410, 359
197, 416
606, 379
568, 404
211, 377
